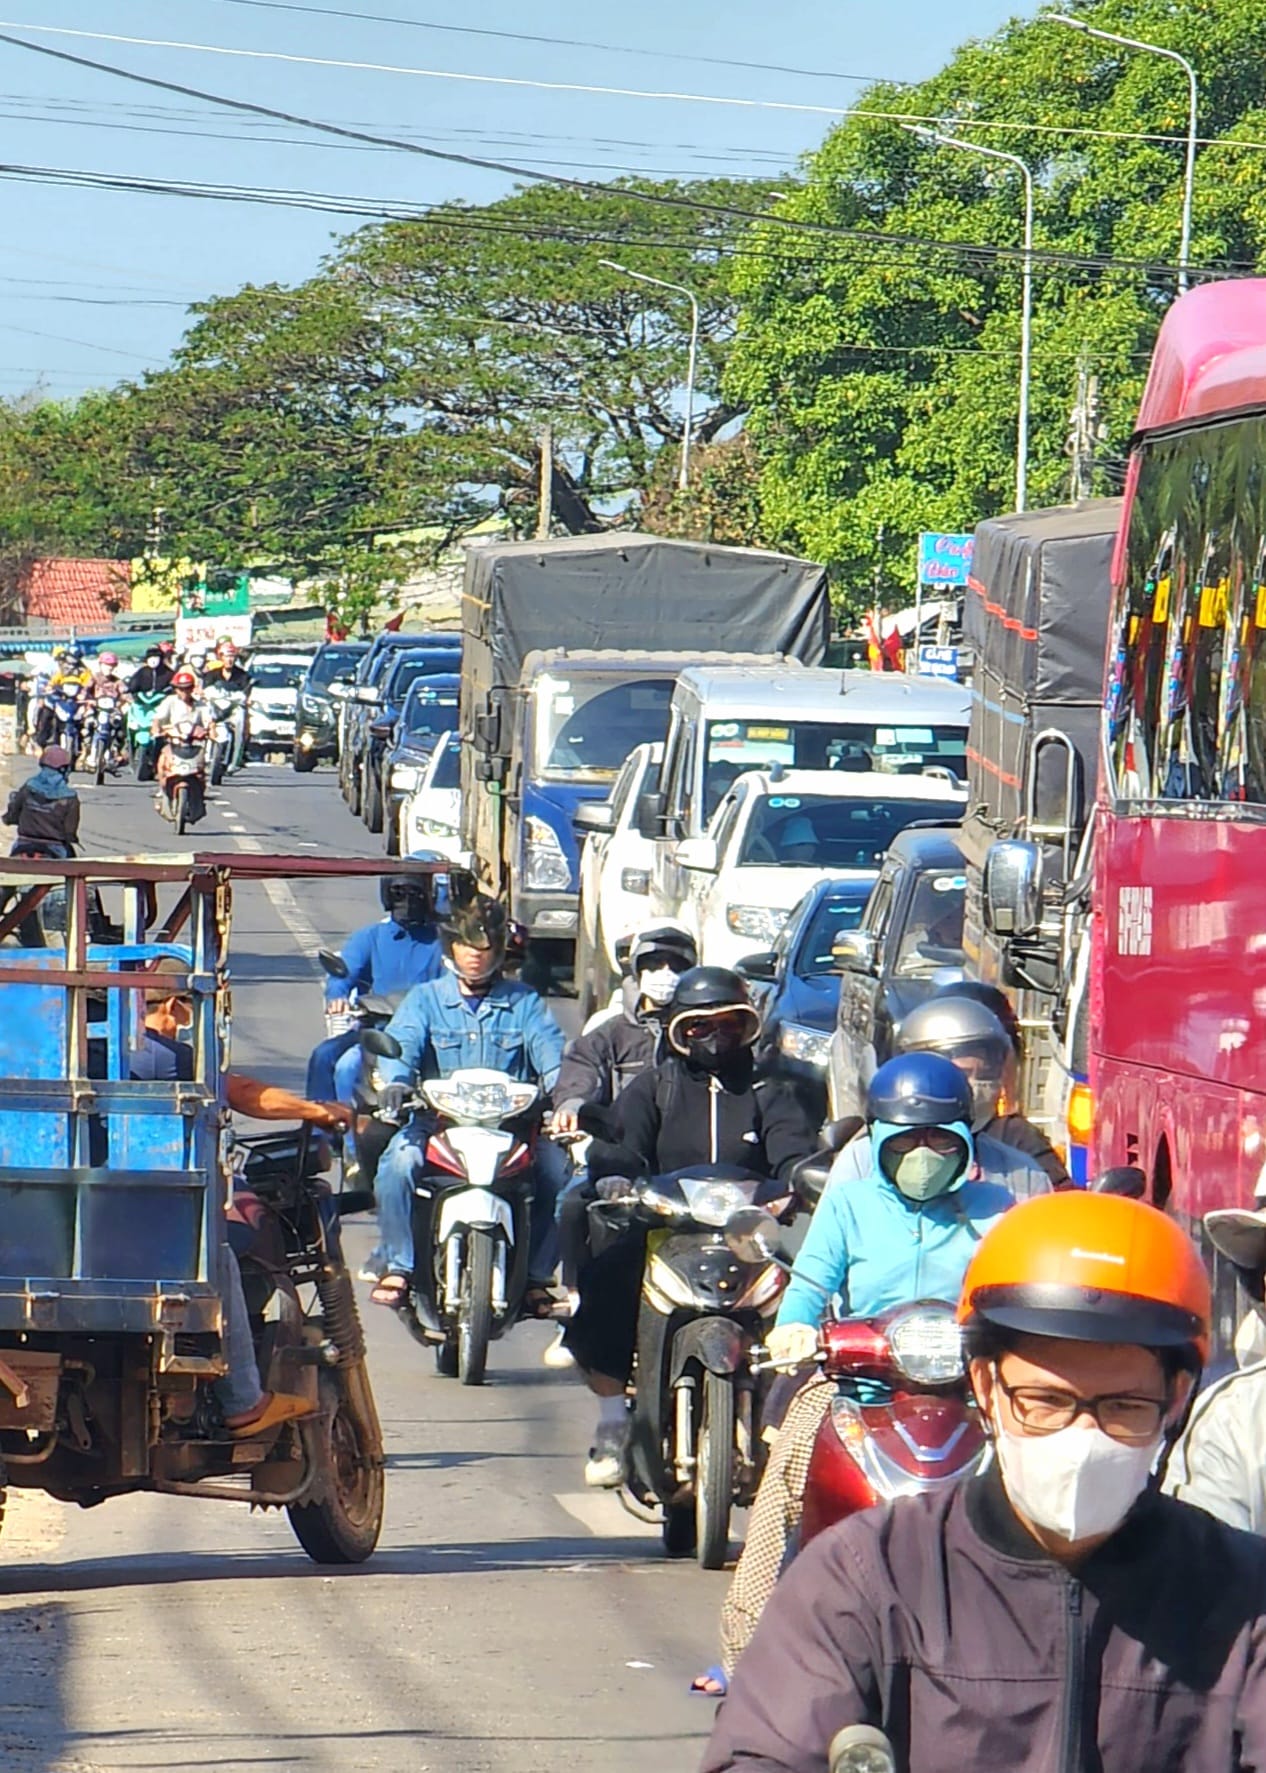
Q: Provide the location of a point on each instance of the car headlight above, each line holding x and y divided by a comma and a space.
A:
926, 1345
808, 1045
404, 776
311, 705
434, 828
761, 922
546, 867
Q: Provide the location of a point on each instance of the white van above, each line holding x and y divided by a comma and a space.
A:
725, 719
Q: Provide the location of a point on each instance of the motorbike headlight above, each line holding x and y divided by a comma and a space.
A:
926, 1345
404, 776
760, 922
711, 1203
546, 867
809, 1045
479, 1102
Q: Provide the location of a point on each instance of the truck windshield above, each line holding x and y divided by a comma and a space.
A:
738, 745
933, 936
825, 831
586, 726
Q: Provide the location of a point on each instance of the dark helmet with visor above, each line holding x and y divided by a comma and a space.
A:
408, 898
710, 1016
966, 1032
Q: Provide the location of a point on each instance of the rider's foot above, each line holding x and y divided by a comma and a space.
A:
604, 1468
273, 1408
557, 1354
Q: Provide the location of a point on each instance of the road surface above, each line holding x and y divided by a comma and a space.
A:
509, 1621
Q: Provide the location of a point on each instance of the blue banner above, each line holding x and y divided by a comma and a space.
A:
945, 559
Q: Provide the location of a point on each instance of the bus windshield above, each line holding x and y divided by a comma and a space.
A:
737, 745
586, 726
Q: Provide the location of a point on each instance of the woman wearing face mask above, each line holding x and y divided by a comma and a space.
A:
1055, 1611
702, 1103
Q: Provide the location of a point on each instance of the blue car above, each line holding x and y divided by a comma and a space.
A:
796, 983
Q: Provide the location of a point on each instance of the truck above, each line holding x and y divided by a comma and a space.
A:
1036, 617
571, 649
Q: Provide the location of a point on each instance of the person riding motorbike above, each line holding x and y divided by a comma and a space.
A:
471, 1015
1056, 1609
224, 672
905, 1231
401, 950
1008, 1147
154, 676
67, 691
45, 808
703, 1103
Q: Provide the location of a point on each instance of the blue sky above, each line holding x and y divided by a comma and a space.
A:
93, 284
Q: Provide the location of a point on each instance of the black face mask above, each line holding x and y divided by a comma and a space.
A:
716, 1049
408, 909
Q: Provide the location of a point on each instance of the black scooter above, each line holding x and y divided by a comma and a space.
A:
373, 1135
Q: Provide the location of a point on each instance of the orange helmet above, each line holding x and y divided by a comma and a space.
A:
1092, 1268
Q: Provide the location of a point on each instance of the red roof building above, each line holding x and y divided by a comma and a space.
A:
83, 594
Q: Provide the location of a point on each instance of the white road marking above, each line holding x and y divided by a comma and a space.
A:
307, 936
601, 1513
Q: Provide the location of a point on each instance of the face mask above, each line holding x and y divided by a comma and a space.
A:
922, 1174
1077, 1482
712, 1050
658, 986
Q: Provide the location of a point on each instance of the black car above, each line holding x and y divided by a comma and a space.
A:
363, 697
412, 665
796, 983
316, 724
909, 942
430, 708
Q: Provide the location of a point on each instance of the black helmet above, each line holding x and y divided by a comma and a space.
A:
671, 939
919, 1090
477, 922
993, 999
963, 1030
408, 898
710, 1017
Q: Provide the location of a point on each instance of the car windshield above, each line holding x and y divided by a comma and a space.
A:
586, 726
406, 672
835, 913
829, 831
431, 713
334, 664
271, 674
849, 746
448, 768
933, 936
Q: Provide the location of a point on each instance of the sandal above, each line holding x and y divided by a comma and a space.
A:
539, 1303
392, 1291
711, 1684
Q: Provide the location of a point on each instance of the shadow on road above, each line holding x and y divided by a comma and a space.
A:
35, 1656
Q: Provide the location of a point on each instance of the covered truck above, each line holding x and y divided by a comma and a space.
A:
570, 652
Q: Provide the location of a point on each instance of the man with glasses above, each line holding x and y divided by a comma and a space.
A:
1055, 1611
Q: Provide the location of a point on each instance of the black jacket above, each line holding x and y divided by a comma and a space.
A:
40, 820
1022, 1135
675, 1115
147, 682
598, 1067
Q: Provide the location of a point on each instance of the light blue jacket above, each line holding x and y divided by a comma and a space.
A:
441, 1030
875, 1249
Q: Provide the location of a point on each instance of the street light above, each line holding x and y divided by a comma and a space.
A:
1026, 293
1193, 105
683, 475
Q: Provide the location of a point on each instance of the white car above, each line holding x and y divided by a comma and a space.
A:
615, 875
776, 833
273, 703
431, 816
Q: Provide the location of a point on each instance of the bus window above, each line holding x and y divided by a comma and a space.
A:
1141, 625
1177, 772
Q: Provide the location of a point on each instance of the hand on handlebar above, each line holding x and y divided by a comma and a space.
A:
333, 1115
791, 1345
563, 1123
336, 1006
393, 1101
615, 1188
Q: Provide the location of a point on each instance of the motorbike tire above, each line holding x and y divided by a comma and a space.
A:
302, 761
679, 1529
392, 835
219, 762
714, 1472
143, 762
474, 1312
342, 1527
446, 1359
351, 790
97, 764
371, 800
180, 808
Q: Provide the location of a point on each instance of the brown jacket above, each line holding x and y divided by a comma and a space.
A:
940, 1620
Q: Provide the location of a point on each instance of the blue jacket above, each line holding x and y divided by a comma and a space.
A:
876, 1249
386, 957
441, 1030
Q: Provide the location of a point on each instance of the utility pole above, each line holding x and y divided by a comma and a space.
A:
545, 501
1085, 432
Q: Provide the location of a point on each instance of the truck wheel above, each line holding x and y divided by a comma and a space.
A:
474, 1312
714, 1472
343, 1525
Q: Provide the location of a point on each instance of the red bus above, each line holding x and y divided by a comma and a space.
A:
1178, 992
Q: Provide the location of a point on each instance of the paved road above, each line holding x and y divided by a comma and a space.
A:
510, 1621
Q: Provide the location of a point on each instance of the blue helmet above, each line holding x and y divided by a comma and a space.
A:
919, 1090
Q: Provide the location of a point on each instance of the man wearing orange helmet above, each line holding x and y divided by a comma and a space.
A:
1056, 1612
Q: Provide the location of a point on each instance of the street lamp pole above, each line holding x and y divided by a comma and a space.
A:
683, 473
1193, 109
1026, 295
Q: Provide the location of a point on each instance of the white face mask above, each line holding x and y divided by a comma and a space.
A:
658, 986
1077, 1482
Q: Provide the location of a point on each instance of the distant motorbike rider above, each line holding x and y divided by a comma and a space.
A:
45, 808
182, 713
471, 1015
401, 950
225, 671
702, 1103
906, 1231
1009, 1148
61, 716
154, 676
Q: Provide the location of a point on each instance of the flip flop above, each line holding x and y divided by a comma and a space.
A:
392, 1291
538, 1304
716, 1675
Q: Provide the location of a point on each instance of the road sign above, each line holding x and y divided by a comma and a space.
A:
939, 661
945, 559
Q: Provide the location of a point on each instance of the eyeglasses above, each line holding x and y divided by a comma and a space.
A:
939, 1139
1123, 1416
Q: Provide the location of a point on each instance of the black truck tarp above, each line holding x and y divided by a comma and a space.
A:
1036, 614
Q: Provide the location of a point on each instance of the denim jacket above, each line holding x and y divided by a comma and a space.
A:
441, 1030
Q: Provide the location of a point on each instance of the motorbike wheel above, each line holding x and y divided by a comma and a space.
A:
97, 763
142, 761
343, 1526
303, 761
474, 1312
446, 1359
714, 1473
351, 789
219, 759
371, 800
679, 1529
180, 808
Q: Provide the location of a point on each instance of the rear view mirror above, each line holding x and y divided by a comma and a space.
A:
699, 854
1124, 1179
751, 1234
380, 729
853, 951
650, 814
593, 816
381, 1044
1013, 888
339, 692
762, 968
333, 963
368, 696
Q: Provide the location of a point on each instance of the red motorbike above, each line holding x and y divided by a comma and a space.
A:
902, 1421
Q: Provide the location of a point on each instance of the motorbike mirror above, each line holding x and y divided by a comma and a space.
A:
333, 963
751, 1234
860, 1748
381, 1044
836, 1134
1124, 1179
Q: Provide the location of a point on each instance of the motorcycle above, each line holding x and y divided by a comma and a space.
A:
67, 709
226, 742
182, 794
142, 745
373, 1135
470, 1214
694, 1446
103, 738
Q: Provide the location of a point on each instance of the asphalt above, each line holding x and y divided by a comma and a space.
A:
510, 1621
